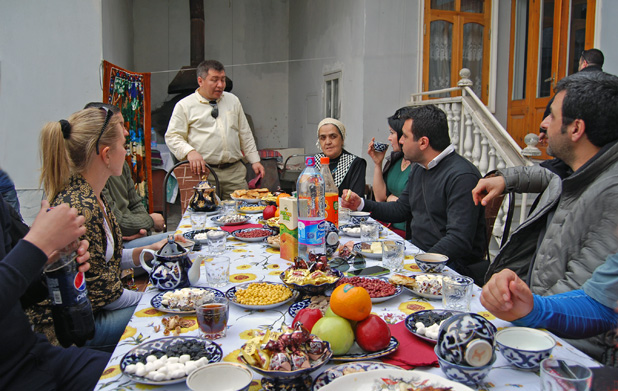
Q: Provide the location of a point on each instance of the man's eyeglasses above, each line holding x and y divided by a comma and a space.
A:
108, 116
215, 109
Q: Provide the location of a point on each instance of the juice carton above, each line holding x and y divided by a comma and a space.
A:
288, 227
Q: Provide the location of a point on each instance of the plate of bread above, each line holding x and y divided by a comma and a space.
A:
252, 196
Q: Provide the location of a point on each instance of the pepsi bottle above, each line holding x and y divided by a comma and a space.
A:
71, 309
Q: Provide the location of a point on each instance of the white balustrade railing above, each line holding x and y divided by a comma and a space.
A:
479, 137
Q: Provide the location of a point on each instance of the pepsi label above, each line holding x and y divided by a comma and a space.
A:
66, 285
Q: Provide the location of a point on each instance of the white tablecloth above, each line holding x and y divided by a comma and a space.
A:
258, 262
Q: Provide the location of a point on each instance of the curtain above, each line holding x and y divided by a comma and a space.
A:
130, 92
440, 53
473, 54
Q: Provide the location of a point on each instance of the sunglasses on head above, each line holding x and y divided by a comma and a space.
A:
215, 109
108, 116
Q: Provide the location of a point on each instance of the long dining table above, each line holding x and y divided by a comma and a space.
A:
258, 262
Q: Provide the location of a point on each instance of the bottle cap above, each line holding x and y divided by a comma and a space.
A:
310, 161
478, 352
324, 160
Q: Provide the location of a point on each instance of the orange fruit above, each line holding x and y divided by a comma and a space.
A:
282, 195
350, 302
277, 213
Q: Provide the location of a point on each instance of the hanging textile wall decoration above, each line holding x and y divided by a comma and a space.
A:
130, 92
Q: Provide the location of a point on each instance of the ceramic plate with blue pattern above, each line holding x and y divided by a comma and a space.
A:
357, 354
423, 316
155, 302
299, 305
344, 369
231, 296
205, 348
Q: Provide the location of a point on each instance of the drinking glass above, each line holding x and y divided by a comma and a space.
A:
212, 316
564, 375
370, 231
228, 207
217, 271
216, 242
198, 219
457, 292
392, 255
344, 216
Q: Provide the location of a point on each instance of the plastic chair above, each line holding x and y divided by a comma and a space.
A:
186, 181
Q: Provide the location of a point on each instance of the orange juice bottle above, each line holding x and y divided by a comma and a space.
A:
332, 193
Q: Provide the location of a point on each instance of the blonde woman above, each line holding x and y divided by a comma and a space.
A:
79, 155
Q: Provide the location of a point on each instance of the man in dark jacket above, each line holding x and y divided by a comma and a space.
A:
437, 196
29, 361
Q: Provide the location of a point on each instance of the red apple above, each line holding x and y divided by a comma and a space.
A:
269, 212
307, 317
372, 334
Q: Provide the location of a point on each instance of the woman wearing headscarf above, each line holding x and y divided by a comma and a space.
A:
389, 182
348, 170
78, 156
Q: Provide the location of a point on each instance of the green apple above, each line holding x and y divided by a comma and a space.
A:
337, 331
330, 312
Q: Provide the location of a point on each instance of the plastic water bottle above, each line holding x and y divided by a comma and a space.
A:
332, 193
311, 222
71, 309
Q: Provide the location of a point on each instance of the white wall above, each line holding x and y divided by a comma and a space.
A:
50, 52
249, 37
117, 23
606, 32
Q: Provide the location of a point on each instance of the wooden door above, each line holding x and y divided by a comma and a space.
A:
456, 35
547, 38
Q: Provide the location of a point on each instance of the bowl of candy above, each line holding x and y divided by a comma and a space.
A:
311, 278
285, 354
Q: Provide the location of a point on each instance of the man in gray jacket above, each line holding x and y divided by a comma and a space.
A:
573, 229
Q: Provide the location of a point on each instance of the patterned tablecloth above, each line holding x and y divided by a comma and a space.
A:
259, 262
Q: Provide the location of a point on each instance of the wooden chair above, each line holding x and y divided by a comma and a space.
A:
186, 181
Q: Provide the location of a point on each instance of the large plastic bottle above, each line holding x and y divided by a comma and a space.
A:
311, 222
71, 309
332, 193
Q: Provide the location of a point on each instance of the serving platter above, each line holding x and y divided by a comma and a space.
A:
191, 235
375, 300
231, 296
337, 371
252, 230
247, 200
212, 352
250, 207
421, 294
374, 380
431, 277
346, 230
156, 301
357, 354
241, 220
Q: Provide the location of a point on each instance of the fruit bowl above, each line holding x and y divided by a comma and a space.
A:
289, 375
313, 289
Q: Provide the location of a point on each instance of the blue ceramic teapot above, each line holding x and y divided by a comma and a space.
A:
171, 267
